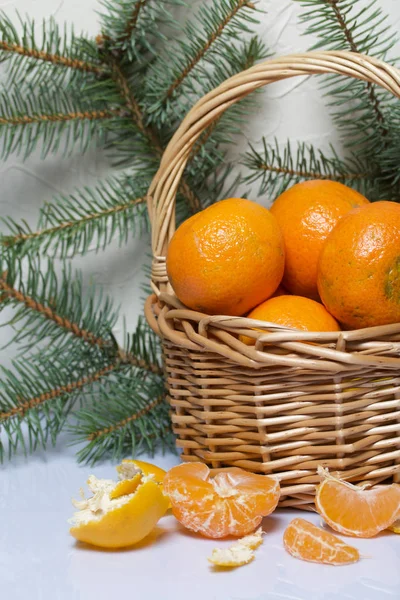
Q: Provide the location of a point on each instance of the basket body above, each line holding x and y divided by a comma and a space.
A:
295, 400
279, 419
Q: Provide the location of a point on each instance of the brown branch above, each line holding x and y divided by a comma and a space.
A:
147, 131
134, 417
310, 174
10, 241
49, 313
26, 405
209, 42
353, 47
89, 337
55, 59
72, 116
132, 22
129, 358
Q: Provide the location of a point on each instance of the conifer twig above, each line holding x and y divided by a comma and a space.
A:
49, 313
55, 59
147, 131
134, 417
209, 42
10, 241
354, 48
90, 115
69, 388
132, 22
309, 174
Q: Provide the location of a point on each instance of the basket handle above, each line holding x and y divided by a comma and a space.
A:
162, 191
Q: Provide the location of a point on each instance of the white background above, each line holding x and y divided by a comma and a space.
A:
38, 559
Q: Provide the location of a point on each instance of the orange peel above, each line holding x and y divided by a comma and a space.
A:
239, 554
147, 469
121, 514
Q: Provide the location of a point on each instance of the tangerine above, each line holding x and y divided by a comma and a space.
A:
233, 502
307, 212
359, 268
227, 258
293, 311
305, 540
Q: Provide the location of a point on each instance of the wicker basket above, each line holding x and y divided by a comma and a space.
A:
283, 406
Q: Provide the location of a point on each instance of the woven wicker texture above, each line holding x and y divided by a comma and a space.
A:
294, 400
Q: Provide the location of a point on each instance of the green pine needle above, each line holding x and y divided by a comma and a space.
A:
53, 307
128, 415
53, 120
59, 56
89, 219
37, 396
277, 167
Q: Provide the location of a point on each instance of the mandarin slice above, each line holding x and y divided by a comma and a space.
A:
306, 541
356, 511
233, 502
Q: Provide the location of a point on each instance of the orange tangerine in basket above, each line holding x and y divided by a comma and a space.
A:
233, 502
355, 511
307, 212
359, 267
293, 311
305, 540
227, 258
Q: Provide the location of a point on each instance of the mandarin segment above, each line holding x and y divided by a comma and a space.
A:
227, 258
359, 267
233, 502
306, 541
307, 212
355, 511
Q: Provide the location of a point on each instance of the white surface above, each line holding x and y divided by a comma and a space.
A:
39, 560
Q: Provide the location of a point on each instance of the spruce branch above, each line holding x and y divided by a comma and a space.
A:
212, 37
84, 318
47, 312
60, 53
365, 114
37, 395
87, 219
119, 422
132, 21
54, 59
52, 118
132, 28
24, 405
148, 132
206, 38
362, 111
277, 167
340, 14
90, 115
